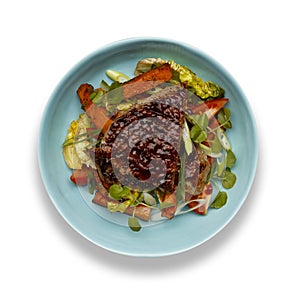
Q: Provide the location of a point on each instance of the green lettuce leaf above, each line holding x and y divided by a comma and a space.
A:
204, 89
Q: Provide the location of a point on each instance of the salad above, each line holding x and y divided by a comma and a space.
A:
153, 146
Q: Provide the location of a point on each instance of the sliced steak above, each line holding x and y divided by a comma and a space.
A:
141, 147
197, 169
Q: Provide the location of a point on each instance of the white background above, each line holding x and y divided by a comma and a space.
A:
254, 261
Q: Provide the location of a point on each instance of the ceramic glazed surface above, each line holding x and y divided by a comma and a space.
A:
175, 236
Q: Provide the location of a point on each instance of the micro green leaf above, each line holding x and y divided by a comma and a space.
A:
104, 85
97, 99
224, 118
229, 179
118, 192
134, 224
220, 200
197, 134
230, 159
216, 146
149, 199
201, 120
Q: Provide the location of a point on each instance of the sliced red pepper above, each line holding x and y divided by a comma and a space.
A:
211, 107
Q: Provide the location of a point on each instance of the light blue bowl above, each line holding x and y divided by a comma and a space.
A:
171, 237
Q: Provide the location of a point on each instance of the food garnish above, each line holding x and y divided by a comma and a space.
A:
154, 146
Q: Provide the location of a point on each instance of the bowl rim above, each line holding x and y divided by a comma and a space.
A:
133, 41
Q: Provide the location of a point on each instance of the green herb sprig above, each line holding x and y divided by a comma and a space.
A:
82, 137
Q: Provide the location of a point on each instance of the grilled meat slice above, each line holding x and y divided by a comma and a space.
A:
97, 115
141, 147
197, 169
